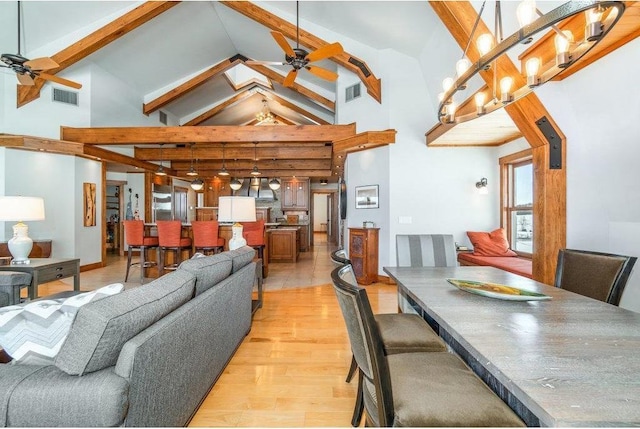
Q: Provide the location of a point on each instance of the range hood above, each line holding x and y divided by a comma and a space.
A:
257, 187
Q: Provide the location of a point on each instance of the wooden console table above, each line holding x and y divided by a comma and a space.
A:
45, 270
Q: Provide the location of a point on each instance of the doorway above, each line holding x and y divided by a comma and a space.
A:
324, 215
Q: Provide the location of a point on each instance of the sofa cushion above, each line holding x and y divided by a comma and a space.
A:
209, 270
102, 327
33, 333
492, 243
241, 257
520, 266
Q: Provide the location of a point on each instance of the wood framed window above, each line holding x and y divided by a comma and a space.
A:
516, 201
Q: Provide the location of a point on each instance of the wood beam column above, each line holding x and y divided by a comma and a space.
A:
549, 214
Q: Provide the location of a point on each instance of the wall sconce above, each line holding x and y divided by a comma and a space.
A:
482, 186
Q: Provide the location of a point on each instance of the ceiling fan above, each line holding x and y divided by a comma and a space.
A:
299, 58
27, 70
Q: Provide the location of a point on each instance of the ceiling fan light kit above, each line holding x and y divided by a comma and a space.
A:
600, 17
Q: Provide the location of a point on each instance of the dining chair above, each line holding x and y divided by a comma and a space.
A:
205, 236
601, 276
170, 239
135, 239
413, 389
339, 257
400, 333
423, 250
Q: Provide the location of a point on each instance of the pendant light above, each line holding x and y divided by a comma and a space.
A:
224, 171
160, 171
255, 171
235, 184
274, 184
197, 184
192, 172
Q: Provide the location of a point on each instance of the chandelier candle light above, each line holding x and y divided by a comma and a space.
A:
600, 17
21, 209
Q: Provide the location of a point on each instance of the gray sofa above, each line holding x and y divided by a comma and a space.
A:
144, 357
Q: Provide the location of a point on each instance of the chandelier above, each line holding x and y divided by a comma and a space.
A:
265, 115
600, 17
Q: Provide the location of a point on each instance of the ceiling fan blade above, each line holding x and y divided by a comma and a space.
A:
266, 63
325, 51
61, 81
291, 77
323, 73
44, 63
25, 79
282, 42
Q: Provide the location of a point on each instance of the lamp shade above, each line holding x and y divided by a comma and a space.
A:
236, 209
21, 208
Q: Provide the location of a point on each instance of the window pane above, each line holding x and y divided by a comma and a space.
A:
522, 234
523, 192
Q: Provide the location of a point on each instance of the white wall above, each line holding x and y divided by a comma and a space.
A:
598, 111
319, 211
88, 239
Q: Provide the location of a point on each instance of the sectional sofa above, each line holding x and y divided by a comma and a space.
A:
144, 357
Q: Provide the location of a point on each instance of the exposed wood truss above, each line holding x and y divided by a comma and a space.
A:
275, 97
96, 40
346, 60
219, 108
549, 214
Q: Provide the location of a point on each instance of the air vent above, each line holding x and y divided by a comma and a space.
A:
64, 96
352, 92
163, 117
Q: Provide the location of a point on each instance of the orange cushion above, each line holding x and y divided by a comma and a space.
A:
492, 243
520, 266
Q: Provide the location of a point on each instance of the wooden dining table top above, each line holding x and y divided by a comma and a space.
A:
570, 360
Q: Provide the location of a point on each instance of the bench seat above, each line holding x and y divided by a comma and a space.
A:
513, 264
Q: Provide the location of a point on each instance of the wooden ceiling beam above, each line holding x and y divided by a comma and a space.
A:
207, 174
549, 206
275, 23
95, 41
190, 85
277, 77
207, 134
219, 108
247, 164
297, 152
362, 141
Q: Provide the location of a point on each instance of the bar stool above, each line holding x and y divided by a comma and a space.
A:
205, 236
253, 232
170, 239
136, 240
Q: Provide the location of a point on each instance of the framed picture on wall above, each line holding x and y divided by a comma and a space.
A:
367, 197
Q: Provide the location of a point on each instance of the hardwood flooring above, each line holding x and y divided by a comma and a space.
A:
290, 370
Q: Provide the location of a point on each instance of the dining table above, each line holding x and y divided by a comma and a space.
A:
556, 357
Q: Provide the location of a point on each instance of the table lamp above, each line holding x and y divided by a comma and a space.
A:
237, 209
21, 209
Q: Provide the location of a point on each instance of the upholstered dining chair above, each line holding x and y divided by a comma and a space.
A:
400, 333
136, 240
170, 239
339, 257
423, 250
413, 389
601, 276
205, 236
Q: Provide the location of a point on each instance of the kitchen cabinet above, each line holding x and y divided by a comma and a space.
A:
304, 238
214, 189
363, 253
284, 244
295, 194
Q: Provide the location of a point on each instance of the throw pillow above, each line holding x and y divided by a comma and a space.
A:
32, 333
492, 243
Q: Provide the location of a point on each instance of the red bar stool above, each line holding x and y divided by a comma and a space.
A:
205, 236
253, 232
136, 240
171, 240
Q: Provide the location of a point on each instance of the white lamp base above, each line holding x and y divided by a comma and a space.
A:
21, 244
237, 240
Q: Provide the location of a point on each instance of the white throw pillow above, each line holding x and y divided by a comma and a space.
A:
32, 333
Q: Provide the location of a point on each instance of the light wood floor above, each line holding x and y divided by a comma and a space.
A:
290, 370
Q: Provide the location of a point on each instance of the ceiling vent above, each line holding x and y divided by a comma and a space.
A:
163, 117
352, 92
64, 96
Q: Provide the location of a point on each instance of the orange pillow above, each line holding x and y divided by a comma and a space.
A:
492, 243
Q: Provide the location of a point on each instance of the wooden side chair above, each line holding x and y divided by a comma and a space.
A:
136, 240
170, 239
414, 389
600, 276
205, 236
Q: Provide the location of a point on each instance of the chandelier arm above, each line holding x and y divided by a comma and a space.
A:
546, 21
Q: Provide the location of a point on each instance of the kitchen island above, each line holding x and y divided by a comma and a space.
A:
283, 243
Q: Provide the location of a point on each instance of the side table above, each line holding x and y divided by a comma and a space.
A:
45, 270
